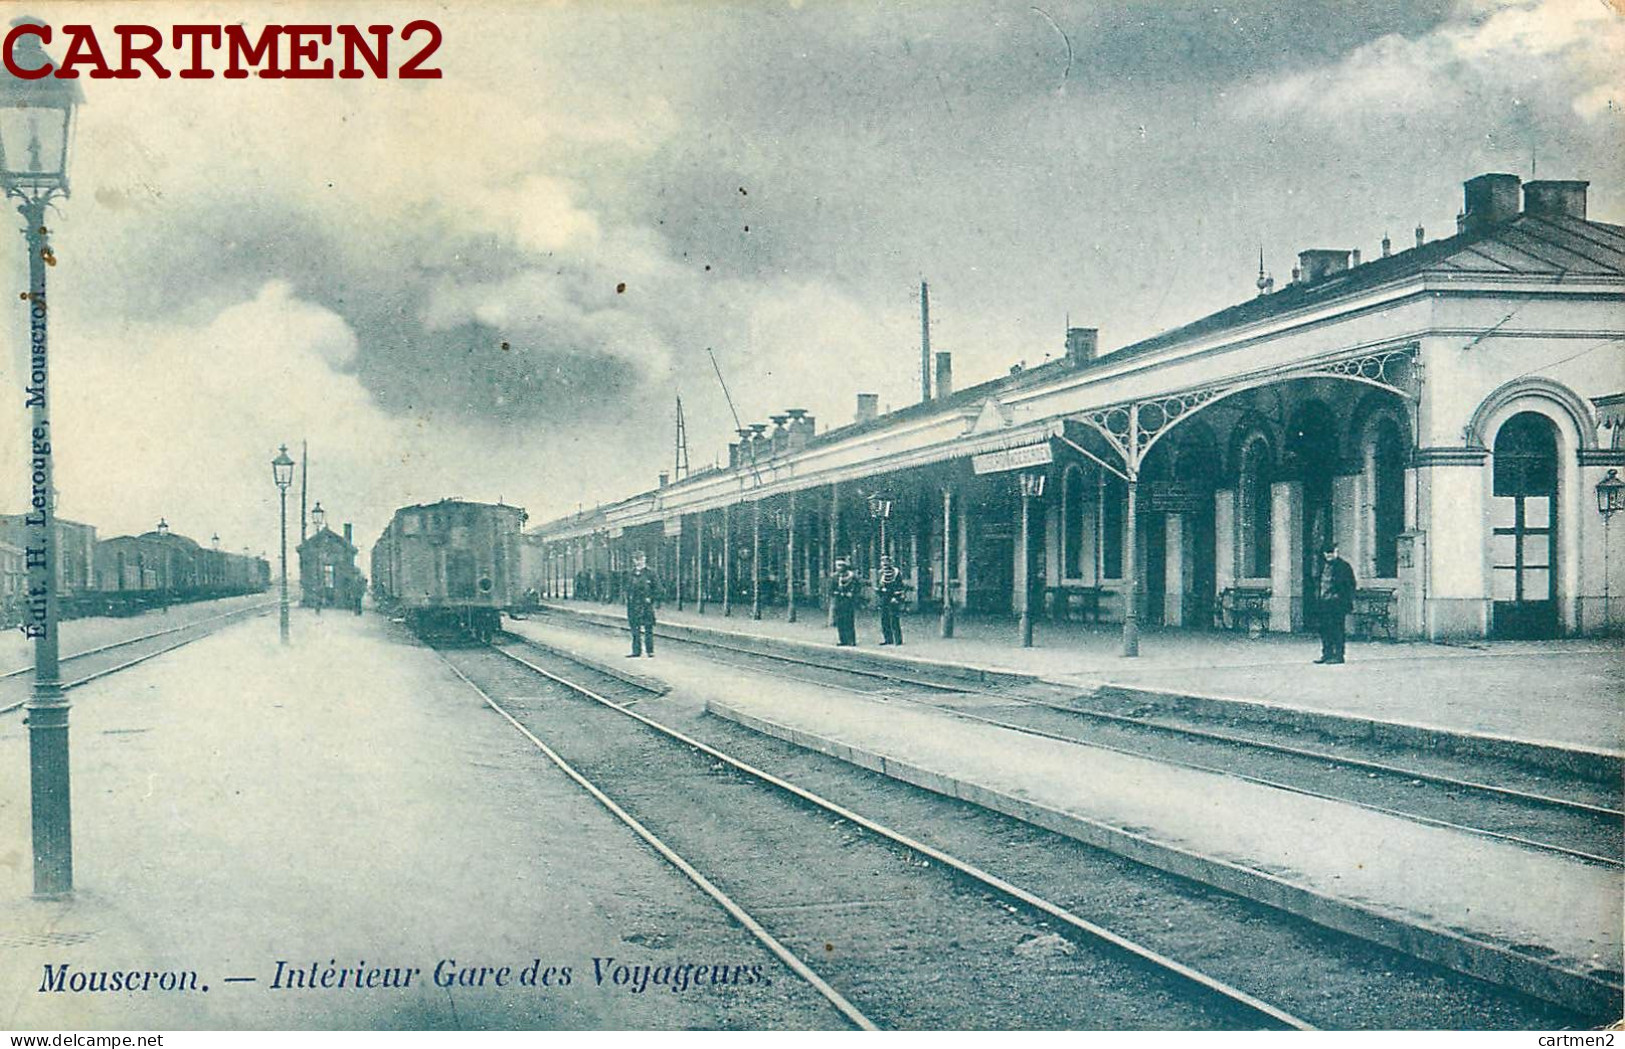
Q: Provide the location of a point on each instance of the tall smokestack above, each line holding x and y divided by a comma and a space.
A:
925, 342
945, 375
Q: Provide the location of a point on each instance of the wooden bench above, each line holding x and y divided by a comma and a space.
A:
1245, 608
1061, 601
1373, 613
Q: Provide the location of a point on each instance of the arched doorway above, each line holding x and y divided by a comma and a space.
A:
1310, 454
1523, 518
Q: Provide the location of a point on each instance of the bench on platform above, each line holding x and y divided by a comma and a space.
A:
1062, 595
1245, 608
1374, 613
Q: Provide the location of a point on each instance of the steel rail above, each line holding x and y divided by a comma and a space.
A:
143, 637
738, 913
127, 664
1363, 764
965, 868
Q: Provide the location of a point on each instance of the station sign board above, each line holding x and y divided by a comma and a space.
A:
1018, 458
1172, 497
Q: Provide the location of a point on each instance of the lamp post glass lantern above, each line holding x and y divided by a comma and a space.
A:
1610, 494
282, 474
36, 129
318, 517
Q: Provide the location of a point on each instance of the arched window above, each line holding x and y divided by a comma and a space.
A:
1253, 508
1072, 492
1386, 465
1113, 511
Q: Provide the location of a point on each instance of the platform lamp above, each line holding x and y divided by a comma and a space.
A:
1032, 487
36, 130
318, 517
282, 474
1610, 500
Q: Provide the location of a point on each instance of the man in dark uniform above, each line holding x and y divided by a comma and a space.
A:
889, 593
640, 607
844, 592
1336, 601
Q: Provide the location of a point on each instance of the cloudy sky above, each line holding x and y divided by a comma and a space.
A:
495, 284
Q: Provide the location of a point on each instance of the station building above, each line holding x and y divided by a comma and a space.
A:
1449, 415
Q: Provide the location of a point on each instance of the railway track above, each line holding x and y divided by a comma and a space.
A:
1583, 822
781, 845
86, 662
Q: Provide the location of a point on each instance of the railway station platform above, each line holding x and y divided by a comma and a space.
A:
346, 803
1557, 695
1543, 922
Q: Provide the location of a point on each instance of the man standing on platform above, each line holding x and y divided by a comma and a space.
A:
889, 593
1336, 601
640, 606
844, 592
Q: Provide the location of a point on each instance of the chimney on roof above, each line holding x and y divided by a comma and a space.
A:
868, 407
781, 436
1420, 235
1489, 200
1082, 345
1387, 246
799, 430
945, 375
1553, 198
1319, 263
349, 534
1355, 261
665, 478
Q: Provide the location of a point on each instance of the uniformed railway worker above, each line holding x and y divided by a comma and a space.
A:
889, 595
1336, 601
641, 587
844, 592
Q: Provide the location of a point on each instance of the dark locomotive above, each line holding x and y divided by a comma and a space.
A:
450, 567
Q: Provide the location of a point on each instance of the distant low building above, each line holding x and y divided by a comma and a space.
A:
75, 550
328, 576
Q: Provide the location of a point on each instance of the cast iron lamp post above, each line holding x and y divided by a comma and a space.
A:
1610, 500
36, 127
282, 474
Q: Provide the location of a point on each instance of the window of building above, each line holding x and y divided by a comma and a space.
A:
1387, 471
1072, 483
1253, 509
1113, 511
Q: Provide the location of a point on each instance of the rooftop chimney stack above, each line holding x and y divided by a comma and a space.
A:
1420, 235
1553, 199
665, 478
1387, 246
1356, 260
945, 375
799, 431
868, 408
1488, 200
781, 436
349, 533
1082, 345
1319, 263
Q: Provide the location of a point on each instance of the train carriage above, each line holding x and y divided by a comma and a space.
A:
451, 566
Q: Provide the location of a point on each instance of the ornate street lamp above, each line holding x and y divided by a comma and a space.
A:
1610, 494
318, 517
1032, 487
36, 128
282, 474
1610, 499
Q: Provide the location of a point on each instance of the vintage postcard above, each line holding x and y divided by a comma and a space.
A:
953, 515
